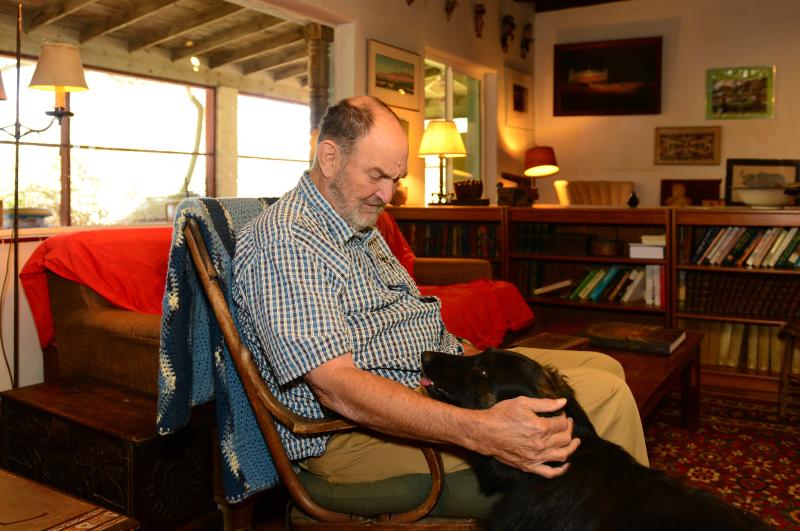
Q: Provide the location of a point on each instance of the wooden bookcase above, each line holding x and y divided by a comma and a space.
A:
455, 231
563, 249
509, 248
734, 301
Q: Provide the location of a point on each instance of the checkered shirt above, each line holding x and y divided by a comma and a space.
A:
308, 288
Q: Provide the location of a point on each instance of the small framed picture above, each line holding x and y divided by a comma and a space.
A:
519, 99
394, 75
743, 92
688, 145
755, 173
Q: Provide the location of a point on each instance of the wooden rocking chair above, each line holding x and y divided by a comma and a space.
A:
305, 513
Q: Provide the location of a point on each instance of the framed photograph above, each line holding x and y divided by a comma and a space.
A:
687, 145
747, 172
394, 75
608, 77
690, 192
745, 92
519, 99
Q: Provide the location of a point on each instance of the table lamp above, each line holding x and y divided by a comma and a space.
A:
540, 161
441, 138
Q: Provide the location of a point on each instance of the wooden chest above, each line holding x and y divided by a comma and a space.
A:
99, 442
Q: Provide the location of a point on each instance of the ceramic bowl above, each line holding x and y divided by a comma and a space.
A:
764, 197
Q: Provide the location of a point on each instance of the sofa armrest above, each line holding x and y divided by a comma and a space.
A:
443, 271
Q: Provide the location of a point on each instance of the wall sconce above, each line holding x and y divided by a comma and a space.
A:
59, 69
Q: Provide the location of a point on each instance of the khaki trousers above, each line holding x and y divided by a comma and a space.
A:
599, 384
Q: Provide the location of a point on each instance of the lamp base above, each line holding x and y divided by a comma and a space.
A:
518, 197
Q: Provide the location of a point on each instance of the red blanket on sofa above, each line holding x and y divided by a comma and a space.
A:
128, 267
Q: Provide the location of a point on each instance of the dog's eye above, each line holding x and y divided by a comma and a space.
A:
482, 372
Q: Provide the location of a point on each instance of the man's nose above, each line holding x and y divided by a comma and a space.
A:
386, 190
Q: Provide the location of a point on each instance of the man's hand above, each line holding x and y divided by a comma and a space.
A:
513, 433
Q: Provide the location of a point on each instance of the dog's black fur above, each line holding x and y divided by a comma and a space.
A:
604, 487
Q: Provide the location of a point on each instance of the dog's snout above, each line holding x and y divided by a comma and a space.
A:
427, 357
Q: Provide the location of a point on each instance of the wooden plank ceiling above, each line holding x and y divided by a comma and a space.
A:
221, 32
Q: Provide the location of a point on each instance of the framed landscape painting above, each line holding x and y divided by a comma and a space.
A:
687, 145
754, 173
394, 75
607, 77
747, 92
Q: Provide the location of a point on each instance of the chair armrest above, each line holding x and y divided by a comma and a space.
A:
443, 271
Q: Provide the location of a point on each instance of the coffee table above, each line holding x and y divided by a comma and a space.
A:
652, 376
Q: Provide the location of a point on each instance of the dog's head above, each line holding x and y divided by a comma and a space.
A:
480, 381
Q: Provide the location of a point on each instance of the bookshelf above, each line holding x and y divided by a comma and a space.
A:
737, 302
455, 231
548, 244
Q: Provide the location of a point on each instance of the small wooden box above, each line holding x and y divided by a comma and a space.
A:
99, 442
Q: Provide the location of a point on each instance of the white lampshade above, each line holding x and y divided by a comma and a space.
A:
2, 89
441, 138
59, 68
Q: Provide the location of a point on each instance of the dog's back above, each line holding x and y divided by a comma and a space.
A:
604, 487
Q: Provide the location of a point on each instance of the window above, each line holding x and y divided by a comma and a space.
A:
273, 144
455, 96
135, 146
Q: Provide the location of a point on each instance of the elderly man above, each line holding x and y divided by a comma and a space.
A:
339, 325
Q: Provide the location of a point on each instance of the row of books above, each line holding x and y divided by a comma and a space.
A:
758, 296
776, 247
603, 284
743, 346
473, 240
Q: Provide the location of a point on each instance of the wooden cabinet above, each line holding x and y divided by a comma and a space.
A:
739, 304
534, 247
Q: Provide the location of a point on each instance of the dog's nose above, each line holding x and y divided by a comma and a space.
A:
427, 356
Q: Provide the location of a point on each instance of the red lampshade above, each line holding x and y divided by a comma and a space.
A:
540, 161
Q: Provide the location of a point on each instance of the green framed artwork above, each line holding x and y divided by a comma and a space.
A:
742, 92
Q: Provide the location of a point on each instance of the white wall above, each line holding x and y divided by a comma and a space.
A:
423, 28
698, 35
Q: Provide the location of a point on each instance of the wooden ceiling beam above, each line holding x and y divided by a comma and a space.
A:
258, 48
290, 71
282, 57
55, 11
135, 12
221, 39
200, 20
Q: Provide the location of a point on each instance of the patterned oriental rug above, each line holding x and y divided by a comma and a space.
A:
742, 452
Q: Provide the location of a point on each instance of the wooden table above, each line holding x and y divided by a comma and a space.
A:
652, 376
26, 504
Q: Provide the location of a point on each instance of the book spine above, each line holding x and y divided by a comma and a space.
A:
784, 260
739, 247
705, 242
603, 283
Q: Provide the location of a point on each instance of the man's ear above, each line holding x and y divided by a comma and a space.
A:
329, 158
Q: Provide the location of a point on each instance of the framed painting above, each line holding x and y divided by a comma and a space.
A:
607, 77
746, 92
394, 75
690, 192
519, 99
757, 173
687, 145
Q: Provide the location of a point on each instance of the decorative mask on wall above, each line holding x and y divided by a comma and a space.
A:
526, 40
507, 31
480, 12
449, 6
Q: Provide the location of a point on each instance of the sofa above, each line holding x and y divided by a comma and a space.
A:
96, 299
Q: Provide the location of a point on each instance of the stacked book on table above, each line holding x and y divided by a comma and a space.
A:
651, 247
751, 247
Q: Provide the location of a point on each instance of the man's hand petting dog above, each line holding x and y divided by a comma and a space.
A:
518, 436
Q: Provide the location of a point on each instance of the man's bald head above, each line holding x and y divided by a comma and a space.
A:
350, 120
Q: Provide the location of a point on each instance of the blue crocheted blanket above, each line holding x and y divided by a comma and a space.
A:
194, 364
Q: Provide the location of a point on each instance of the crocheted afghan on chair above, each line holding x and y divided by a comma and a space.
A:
194, 363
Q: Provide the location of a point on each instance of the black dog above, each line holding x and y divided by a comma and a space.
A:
604, 487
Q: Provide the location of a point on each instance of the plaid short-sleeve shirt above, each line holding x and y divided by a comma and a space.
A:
308, 288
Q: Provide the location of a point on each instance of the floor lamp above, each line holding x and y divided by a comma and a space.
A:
58, 69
